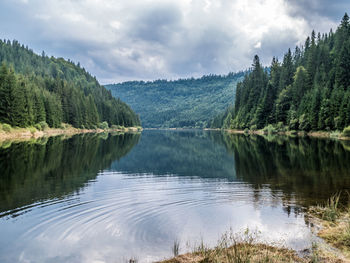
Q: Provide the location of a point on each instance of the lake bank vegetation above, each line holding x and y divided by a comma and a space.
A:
333, 217
246, 248
37, 91
330, 220
308, 91
281, 130
7, 132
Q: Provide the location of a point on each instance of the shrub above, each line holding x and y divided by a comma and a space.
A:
103, 125
37, 126
64, 126
32, 130
43, 126
280, 127
116, 127
294, 124
246, 130
6, 127
254, 127
293, 132
346, 131
269, 129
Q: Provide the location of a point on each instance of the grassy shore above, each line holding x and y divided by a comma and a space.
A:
316, 134
245, 248
22, 134
331, 222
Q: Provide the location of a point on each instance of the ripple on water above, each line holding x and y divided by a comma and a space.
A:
133, 212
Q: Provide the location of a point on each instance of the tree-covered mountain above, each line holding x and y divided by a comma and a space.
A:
36, 89
179, 103
309, 90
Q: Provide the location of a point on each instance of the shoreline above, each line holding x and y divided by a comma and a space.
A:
314, 134
329, 222
23, 134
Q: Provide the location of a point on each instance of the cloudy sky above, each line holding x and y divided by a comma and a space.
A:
118, 40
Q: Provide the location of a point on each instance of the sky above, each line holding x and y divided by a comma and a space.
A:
121, 40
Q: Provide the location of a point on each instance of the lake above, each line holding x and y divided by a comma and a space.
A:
110, 197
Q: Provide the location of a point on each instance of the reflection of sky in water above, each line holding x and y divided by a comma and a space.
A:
120, 216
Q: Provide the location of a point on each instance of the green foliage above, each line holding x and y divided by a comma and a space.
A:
270, 129
6, 127
254, 127
180, 103
309, 90
32, 130
346, 131
42, 126
37, 88
103, 125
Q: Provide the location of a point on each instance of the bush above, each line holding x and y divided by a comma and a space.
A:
253, 127
346, 131
246, 130
116, 127
269, 129
32, 130
6, 127
37, 126
103, 125
293, 132
42, 126
280, 127
64, 126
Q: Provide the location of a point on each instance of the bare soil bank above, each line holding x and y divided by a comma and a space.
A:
22, 134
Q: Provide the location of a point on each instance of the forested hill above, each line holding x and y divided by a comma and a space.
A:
40, 89
308, 90
179, 103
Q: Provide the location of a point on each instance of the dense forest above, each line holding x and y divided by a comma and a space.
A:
179, 103
308, 90
40, 89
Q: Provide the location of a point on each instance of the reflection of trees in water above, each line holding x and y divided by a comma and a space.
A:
181, 153
306, 169
50, 168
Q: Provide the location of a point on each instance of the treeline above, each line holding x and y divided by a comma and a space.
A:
179, 103
41, 89
309, 90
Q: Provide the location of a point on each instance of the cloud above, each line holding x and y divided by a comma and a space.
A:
150, 39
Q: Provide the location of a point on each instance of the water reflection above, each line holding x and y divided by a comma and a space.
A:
54, 167
109, 198
309, 169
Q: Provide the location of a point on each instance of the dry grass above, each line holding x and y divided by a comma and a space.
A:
334, 219
241, 248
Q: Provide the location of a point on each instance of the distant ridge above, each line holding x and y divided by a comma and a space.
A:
179, 103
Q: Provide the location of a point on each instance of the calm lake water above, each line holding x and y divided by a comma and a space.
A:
109, 198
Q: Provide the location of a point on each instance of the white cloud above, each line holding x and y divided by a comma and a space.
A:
148, 39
